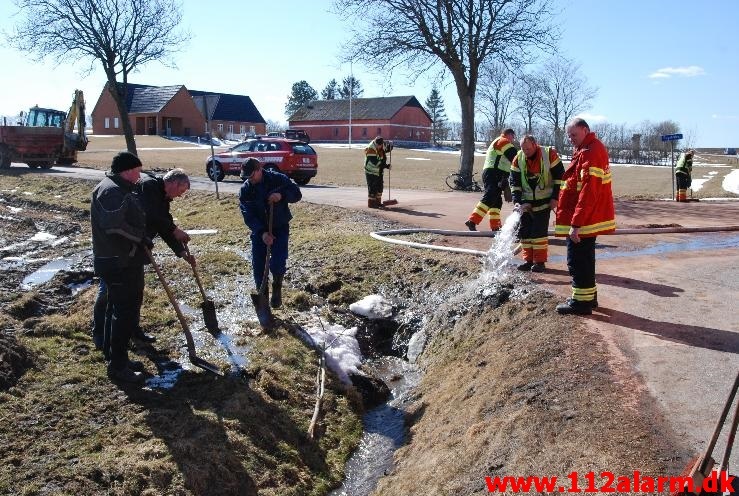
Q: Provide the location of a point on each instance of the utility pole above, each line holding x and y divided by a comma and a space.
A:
351, 90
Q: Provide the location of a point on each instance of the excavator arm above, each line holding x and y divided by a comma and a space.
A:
76, 115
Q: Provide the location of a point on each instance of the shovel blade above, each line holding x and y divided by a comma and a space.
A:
205, 365
209, 317
261, 307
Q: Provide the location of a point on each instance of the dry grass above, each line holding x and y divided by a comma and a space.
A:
518, 390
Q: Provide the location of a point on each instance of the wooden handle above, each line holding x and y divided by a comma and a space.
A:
170, 295
197, 276
719, 424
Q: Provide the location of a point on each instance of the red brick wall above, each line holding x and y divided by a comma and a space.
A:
409, 124
184, 114
105, 107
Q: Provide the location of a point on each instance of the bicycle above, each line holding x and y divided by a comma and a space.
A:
459, 182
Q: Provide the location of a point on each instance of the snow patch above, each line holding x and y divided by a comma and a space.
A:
731, 182
42, 236
343, 356
373, 307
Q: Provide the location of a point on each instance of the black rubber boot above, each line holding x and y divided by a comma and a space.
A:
573, 307
276, 300
471, 225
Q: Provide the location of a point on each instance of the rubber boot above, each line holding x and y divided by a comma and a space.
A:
276, 300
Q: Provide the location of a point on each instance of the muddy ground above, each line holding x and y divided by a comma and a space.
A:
509, 387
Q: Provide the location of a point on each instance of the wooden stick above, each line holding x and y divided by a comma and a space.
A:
320, 383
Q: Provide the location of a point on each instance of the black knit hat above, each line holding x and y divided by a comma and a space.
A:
249, 166
124, 161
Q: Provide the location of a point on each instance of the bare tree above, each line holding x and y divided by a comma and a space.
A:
459, 35
564, 93
121, 35
528, 95
496, 88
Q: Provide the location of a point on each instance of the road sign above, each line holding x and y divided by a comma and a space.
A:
671, 137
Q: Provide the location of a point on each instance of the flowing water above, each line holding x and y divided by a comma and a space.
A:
384, 428
501, 252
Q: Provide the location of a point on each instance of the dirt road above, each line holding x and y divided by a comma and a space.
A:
667, 302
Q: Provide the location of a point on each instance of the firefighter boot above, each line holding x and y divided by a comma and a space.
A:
276, 300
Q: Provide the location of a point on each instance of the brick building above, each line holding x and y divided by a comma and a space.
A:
399, 118
177, 111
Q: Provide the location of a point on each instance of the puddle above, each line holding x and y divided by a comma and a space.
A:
695, 242
384, 429
46, 272
167, 379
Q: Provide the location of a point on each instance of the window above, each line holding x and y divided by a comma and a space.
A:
206, 127
336, 131
220, 128
242, 129
115, 122
230, 129
273, 147
107, 123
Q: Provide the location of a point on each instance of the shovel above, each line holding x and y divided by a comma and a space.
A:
701, 468
389, 201
261, 305
194, 359
208, 307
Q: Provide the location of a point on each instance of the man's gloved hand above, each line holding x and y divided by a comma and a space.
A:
181, 235
147, 242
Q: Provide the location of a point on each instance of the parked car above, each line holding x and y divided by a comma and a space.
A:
297, 134
295, 159
730, 151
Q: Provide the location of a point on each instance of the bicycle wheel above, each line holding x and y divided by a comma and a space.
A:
455, 181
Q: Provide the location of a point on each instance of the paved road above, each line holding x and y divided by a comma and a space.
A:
668, 302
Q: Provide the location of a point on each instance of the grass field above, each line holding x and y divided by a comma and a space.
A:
412, 169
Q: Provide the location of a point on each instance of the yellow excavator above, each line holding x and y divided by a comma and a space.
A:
45, 136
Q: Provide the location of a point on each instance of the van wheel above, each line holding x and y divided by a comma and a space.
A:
303, 181
215, 172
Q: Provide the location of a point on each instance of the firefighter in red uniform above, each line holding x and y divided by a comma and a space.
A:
494, 179
584, 210
536, 176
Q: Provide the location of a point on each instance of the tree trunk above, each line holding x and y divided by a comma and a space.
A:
467, 102
120, 103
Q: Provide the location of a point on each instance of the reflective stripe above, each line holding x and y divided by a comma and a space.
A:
591, 229
540, 208
584, 294
601, 226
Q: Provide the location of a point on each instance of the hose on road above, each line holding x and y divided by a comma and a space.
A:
383, 235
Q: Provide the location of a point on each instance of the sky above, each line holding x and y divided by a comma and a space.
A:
649, 60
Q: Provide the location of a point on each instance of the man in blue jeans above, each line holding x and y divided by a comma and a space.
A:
261, 189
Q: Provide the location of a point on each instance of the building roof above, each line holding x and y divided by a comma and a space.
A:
142, 98
383, 108
227, 107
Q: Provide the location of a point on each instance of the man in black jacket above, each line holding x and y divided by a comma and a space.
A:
157, 194
118, 237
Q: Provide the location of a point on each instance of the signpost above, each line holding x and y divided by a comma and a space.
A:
672, 138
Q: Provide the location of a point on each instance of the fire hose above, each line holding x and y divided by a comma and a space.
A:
383, 235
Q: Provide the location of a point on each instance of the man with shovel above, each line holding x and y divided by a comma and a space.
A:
118, 239
157, 194
263, 200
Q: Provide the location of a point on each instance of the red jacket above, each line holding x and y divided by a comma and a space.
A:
586, 200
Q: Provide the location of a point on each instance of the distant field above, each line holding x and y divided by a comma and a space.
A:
412, 169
